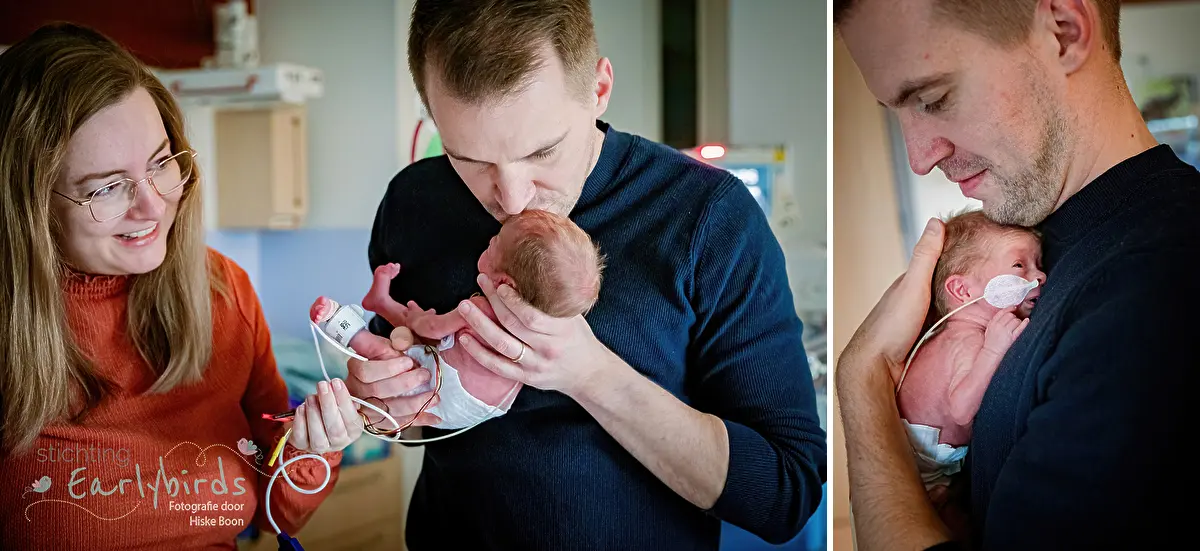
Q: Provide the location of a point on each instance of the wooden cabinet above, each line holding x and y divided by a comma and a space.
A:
262, 167
365, 512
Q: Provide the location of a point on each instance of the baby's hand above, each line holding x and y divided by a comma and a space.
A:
1002, 331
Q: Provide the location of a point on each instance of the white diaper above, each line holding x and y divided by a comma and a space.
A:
456, 407
935, 461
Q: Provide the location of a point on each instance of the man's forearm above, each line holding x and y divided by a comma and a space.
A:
686, 449
891, 509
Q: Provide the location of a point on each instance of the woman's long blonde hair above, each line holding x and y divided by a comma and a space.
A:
51, 83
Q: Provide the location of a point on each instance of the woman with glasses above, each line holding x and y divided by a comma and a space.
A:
137, 366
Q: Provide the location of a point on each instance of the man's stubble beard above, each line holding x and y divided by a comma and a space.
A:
1032, 194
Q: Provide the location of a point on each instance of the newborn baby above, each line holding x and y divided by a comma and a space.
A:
944, 385
545, 257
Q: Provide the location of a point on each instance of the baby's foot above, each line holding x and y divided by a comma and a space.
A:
322, 309
379, 296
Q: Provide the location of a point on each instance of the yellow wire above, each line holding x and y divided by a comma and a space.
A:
279, 447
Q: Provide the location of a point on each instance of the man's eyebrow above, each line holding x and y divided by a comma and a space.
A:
910, 88
549, 145
540, 150
111, 173
450, 153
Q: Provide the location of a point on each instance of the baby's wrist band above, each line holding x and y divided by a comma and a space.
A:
345, 323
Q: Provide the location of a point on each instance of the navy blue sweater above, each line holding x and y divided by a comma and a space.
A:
1080, 440
695, 297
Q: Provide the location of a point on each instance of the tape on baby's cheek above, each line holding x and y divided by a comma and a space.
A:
344, 324
1006, 291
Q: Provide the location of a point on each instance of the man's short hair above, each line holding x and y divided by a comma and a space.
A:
1006, 22
487, 49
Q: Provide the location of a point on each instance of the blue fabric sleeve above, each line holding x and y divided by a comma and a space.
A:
749, 368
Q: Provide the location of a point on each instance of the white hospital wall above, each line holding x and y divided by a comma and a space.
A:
777, 90
628, 32
353, 142
1167, 36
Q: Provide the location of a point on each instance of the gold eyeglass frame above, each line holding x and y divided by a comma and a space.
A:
149, 179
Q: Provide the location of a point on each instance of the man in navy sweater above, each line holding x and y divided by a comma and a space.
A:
683, 398
1080, 439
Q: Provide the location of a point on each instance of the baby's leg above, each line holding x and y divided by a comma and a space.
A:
364, 342
379, 297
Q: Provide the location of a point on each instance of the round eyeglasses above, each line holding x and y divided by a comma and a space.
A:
116, 198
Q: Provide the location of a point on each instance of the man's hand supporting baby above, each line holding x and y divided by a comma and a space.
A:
686, 449
389, 377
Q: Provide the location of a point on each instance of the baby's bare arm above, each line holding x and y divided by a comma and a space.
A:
976, 362
972, 374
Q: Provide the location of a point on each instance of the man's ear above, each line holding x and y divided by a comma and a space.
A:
956, 287
1077, 27
604, 85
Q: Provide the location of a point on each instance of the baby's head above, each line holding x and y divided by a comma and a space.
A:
549, 260
974, 251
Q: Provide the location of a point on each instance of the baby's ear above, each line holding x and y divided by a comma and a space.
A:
957, 288
505, 279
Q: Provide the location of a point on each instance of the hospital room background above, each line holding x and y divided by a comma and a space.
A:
303, 110
1161, 61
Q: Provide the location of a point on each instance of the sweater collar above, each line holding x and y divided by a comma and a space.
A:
1099, 199
83, 285
608, 165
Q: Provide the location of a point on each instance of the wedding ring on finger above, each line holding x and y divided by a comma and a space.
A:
521, 355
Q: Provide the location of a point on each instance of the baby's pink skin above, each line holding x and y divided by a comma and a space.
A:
478, 381
365, 343
925, 395
945, 383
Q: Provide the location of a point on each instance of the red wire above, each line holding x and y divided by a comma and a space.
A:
413, 155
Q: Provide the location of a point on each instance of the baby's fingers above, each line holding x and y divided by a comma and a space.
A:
1021, 327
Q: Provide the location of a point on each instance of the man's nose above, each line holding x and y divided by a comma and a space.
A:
514, 190
925, 148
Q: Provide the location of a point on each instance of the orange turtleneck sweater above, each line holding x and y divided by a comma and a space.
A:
161, 471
